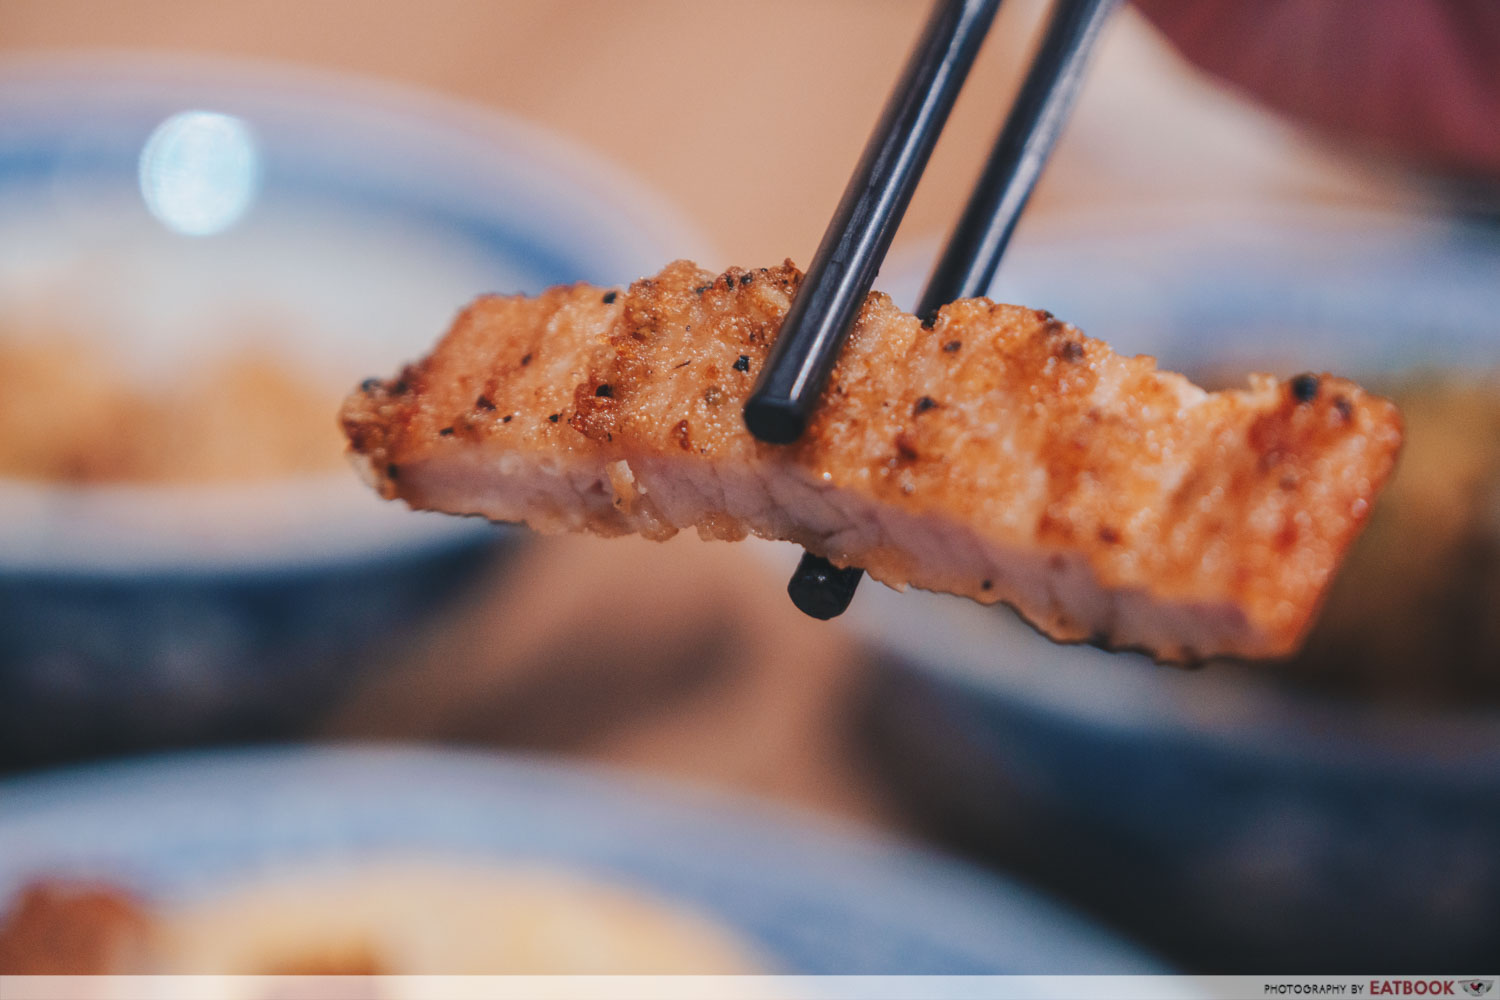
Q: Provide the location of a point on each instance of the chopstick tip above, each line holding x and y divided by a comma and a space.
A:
774, 421
822, 590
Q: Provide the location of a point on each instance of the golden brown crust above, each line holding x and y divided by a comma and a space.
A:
998, 419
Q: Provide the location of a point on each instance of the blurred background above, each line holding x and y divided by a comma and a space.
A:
217, 218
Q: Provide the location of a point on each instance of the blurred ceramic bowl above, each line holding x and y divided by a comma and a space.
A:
1232, 819
803, 896
174, 211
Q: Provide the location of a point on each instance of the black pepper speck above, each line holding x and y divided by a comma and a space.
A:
743, 364
1304, 388
609, 298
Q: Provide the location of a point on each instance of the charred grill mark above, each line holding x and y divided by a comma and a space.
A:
596, 411
483, 403
763, 331
1286, 538
642, 317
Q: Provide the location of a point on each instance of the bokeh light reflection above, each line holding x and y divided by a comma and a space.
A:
199, 172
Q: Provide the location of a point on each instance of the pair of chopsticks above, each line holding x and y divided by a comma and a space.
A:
844, 267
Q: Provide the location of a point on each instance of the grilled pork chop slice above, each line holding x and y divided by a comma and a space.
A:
998, 454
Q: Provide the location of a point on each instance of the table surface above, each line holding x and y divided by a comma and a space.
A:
748, 116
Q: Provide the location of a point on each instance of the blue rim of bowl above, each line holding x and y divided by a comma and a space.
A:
805, 891
461, 143
454, 157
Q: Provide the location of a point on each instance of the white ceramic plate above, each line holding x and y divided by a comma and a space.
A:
810, 897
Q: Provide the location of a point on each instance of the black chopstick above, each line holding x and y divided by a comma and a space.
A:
844, 267
972, 255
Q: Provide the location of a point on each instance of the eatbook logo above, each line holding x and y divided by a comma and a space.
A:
1478, 987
